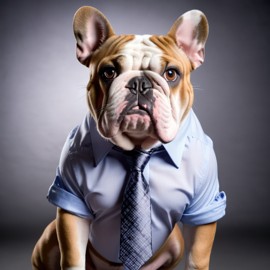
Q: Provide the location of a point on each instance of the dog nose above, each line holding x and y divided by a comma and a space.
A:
139, 85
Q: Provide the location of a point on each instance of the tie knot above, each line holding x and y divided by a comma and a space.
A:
138, 159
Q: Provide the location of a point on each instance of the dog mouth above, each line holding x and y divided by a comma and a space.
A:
137, 110
136, 122
132, 109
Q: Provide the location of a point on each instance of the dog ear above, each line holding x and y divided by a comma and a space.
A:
190, 32
91, 29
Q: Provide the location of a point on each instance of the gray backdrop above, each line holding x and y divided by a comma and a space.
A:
42, 96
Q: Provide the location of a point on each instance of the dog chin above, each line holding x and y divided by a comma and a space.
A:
129, 141
139, 124
137, 129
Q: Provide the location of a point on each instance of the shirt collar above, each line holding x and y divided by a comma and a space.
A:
176, 147
101, 147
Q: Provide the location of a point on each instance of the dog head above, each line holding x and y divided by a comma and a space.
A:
139, 90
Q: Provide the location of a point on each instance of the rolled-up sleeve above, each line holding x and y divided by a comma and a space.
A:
65, 191
59, 196
208, 204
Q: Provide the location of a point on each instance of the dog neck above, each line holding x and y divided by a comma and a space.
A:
145, 143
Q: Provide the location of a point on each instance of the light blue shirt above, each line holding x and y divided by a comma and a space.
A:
91, 178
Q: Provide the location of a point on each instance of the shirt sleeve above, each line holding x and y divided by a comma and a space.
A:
208, 204
64, 191
59, 196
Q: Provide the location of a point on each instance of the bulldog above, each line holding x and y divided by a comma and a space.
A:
140, 96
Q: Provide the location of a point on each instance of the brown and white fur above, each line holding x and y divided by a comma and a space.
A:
139, 92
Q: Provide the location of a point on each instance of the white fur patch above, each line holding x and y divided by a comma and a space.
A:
142, 54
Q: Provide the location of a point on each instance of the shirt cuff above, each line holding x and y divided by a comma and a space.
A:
208, 214
60, 197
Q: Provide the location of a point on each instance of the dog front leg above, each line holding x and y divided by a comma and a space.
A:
199, 241
72, 232
170, 254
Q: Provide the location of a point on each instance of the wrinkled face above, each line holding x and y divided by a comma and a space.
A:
139, 89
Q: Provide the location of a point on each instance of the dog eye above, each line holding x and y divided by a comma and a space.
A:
108, 73
171, 75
